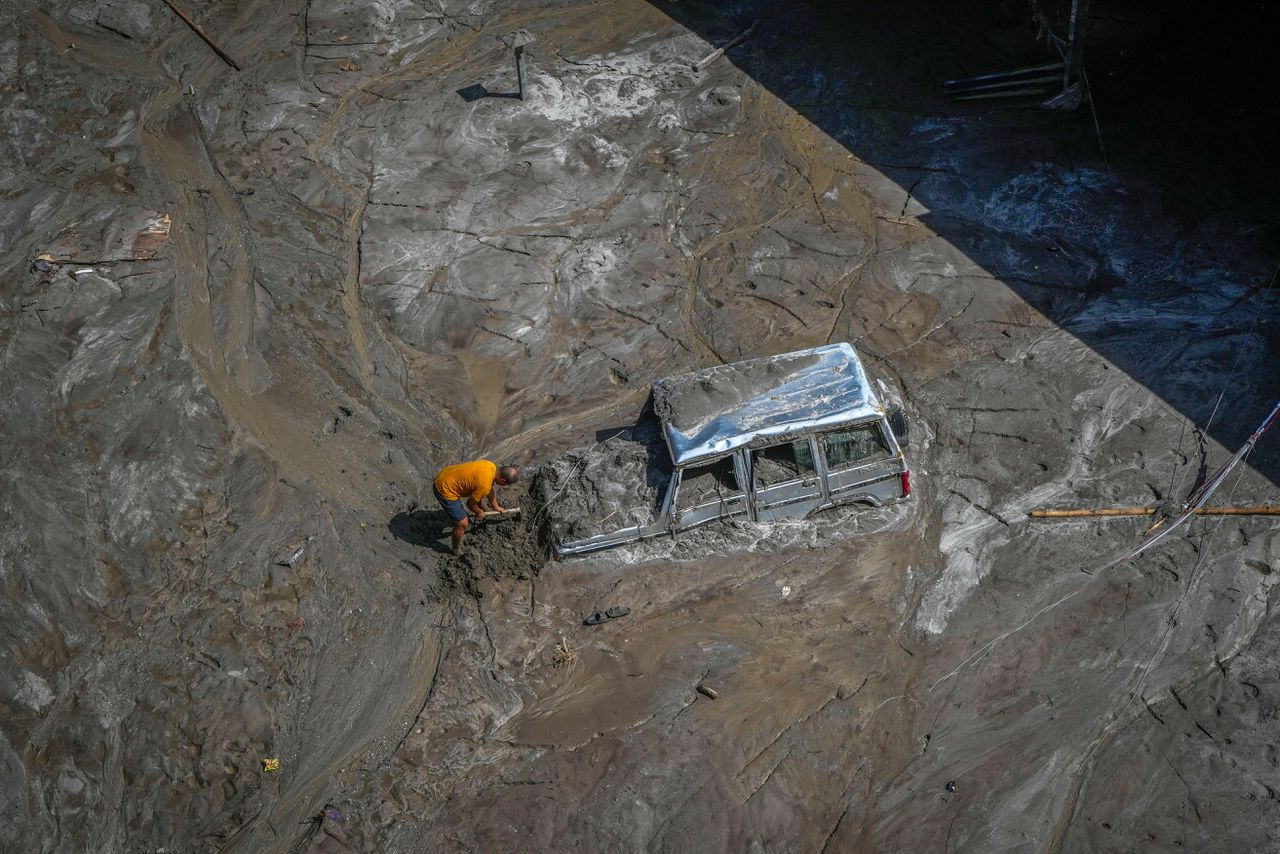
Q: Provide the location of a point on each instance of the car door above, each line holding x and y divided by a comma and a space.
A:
709, 491
862, 462
784, 480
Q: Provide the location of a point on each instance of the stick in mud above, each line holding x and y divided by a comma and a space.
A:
199, 30
719, 52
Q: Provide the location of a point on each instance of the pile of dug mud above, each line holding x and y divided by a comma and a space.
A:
496, 548
613, 484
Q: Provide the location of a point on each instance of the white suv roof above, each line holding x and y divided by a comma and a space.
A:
710, 412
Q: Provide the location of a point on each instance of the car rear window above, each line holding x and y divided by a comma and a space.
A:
854, 445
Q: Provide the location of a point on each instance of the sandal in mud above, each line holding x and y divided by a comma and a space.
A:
605, 616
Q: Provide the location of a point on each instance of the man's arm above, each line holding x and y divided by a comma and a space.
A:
494, 502
474, 507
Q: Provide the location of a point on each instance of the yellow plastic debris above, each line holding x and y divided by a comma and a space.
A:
271, 765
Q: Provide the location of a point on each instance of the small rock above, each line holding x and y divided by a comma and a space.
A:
951, 785
706, 691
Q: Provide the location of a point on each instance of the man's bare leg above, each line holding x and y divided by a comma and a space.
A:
459, 531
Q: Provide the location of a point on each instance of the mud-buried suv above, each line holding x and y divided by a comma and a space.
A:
773, 438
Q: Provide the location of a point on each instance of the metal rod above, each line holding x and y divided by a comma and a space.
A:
202, 34
1075, 41
1003, 75
1078, 512
520, 70
1038, 92
1001, 84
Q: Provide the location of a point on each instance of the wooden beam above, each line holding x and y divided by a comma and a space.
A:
226, 57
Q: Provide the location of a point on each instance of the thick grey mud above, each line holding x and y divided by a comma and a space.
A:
277, 301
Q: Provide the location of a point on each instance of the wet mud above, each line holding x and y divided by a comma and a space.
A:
272, 304
605, 487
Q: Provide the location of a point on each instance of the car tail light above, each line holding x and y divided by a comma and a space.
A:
906, 483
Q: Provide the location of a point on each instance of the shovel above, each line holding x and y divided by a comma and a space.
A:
509, 513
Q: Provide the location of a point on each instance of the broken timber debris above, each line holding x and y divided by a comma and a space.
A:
199, 30
719, 52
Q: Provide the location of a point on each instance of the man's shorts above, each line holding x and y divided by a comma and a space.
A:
453, 506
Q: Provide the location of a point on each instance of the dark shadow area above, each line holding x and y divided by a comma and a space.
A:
476, 91
609, 432
1178, 125
426, 528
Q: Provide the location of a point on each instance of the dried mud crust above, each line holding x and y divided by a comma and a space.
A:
691, 401
618, 483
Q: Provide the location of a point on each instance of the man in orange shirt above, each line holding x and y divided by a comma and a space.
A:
462, 487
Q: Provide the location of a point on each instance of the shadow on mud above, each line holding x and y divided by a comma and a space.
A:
476, 91
426, 528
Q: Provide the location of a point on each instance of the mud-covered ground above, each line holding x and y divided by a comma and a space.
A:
281, 298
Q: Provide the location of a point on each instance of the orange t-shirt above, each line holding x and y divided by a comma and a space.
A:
466, 480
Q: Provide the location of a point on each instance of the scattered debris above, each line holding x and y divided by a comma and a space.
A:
564, 654
350, 65
44, 263
786, 590
605, 616
295, 624
719, 52
708, 692
293, 558
199, 30
270, 764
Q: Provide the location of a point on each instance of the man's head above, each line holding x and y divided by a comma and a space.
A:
507, 475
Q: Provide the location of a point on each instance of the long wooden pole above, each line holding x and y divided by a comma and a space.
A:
1075, 513
202, 34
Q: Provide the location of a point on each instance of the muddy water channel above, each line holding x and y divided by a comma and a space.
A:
277, 301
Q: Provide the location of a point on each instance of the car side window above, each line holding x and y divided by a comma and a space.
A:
781, 463
712, 482
855, 445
